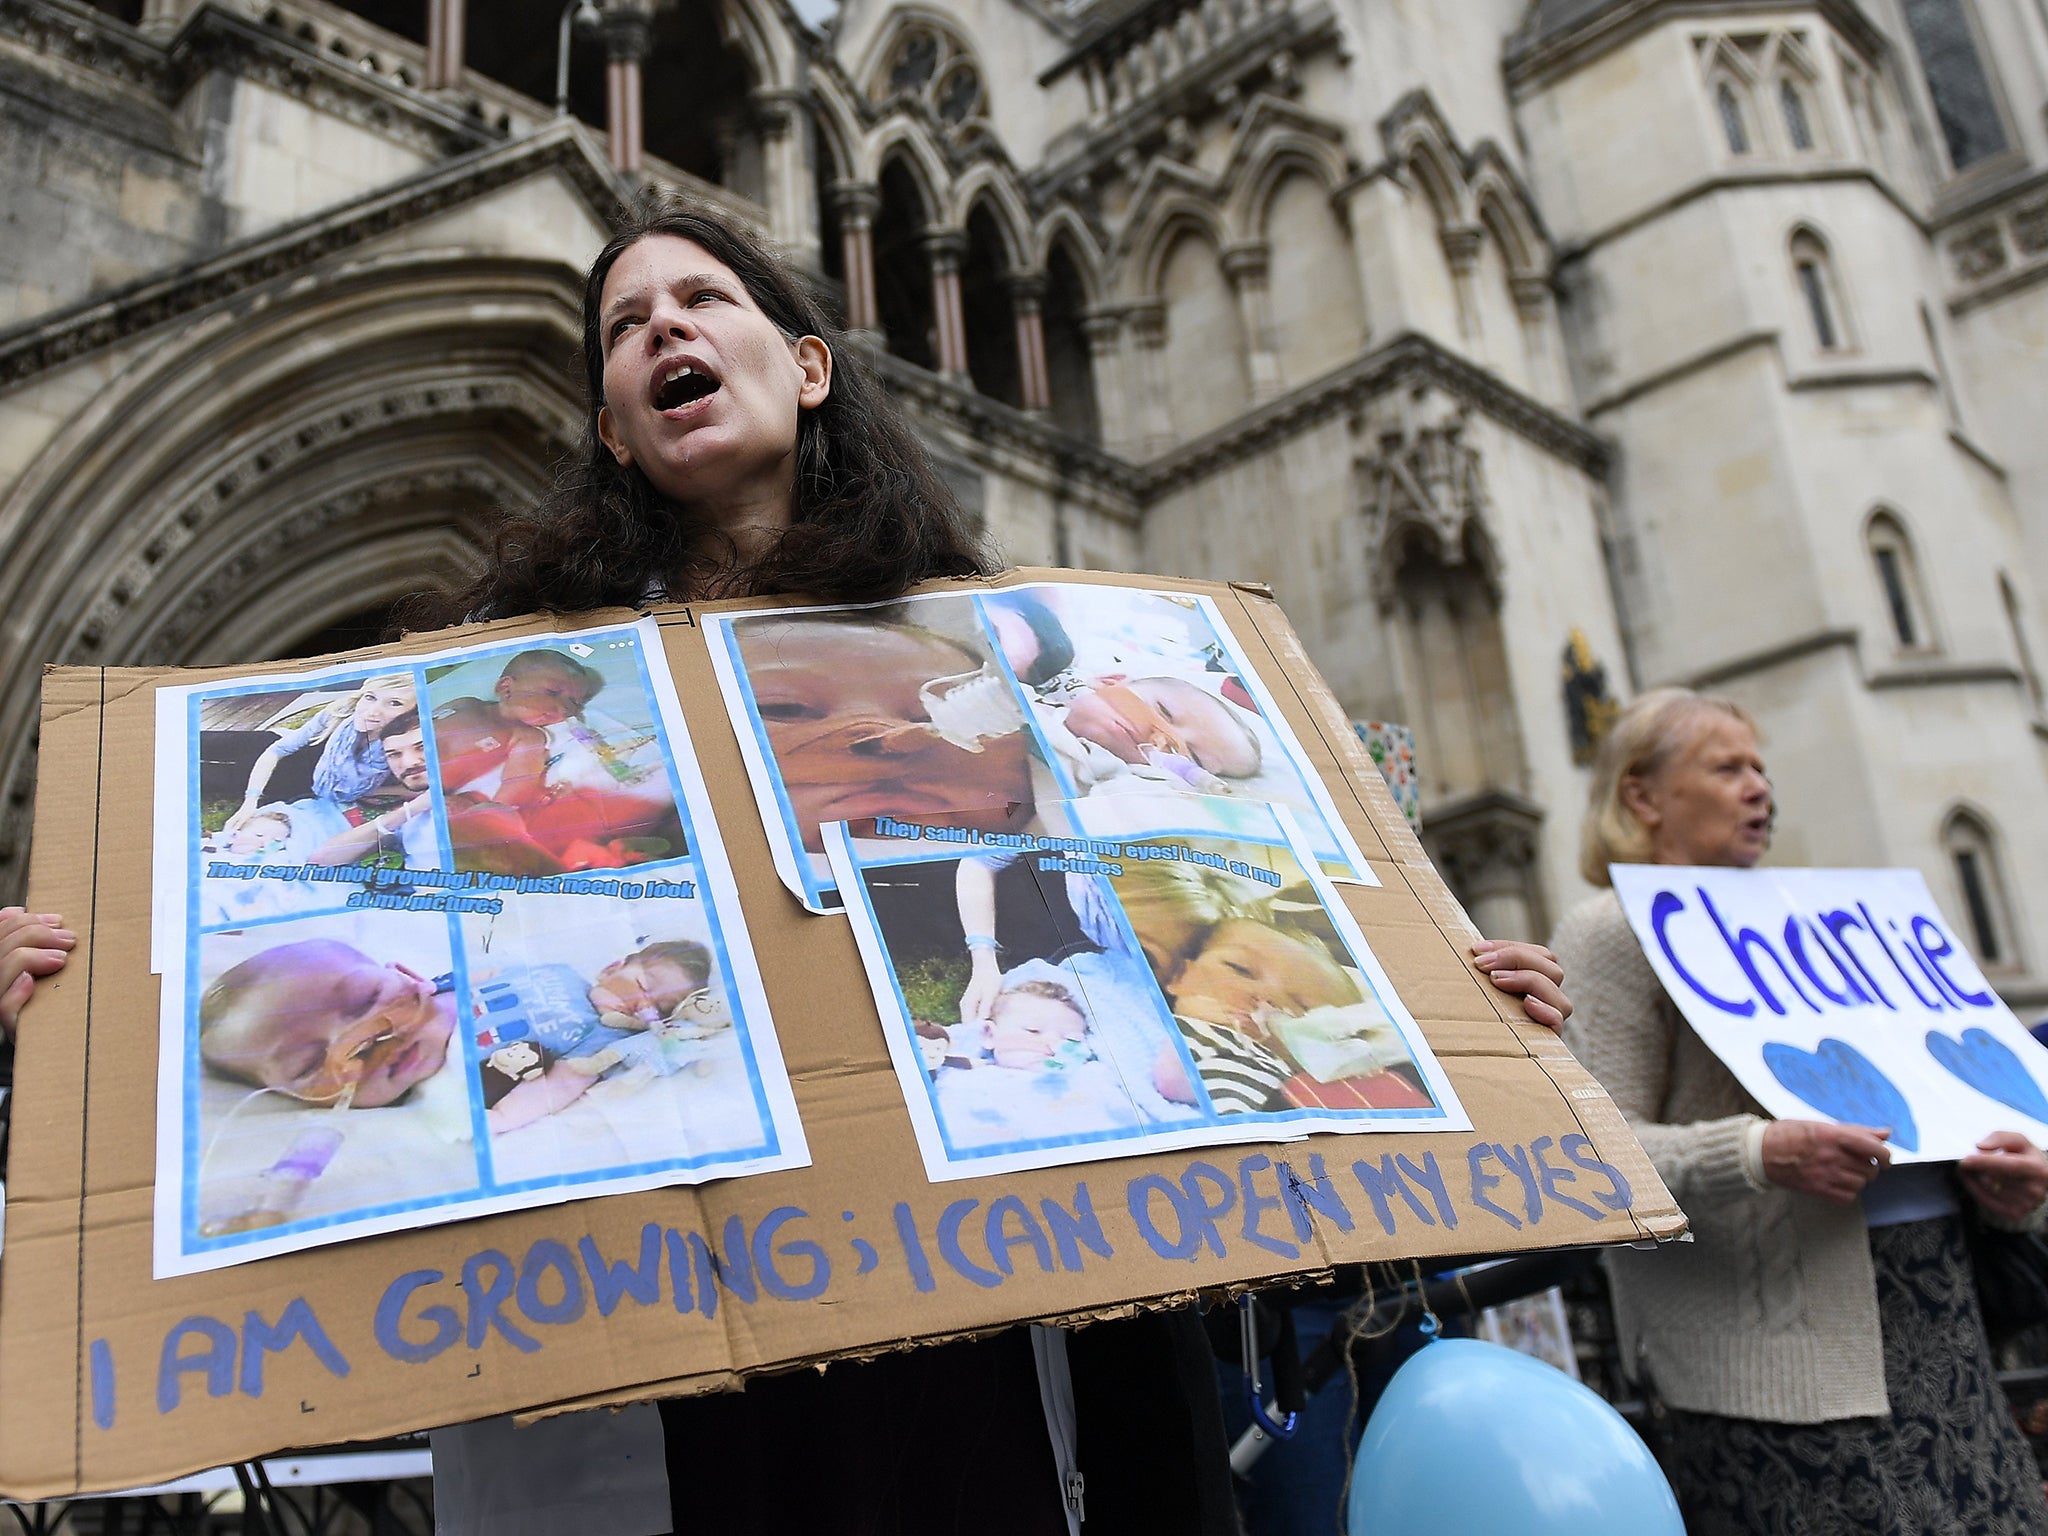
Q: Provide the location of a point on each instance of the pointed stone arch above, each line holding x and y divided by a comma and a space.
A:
1274, 137
993, 185
1169, 198
903, 137
1064, 226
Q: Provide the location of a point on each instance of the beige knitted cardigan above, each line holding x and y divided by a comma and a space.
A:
1770, 1312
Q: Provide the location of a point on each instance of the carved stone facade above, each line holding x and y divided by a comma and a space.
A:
1502, 348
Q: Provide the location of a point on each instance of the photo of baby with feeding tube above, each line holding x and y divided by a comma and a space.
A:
974, 710
1149, 972
1043, 1036
550, 760
326, 1079
1265, 990
328, 777
604, 1037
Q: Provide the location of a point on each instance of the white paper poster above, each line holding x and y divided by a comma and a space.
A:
1841, 994
1150, 972
441, 936
977, 710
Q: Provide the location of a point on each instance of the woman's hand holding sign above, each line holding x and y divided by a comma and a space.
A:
1817, 1157
1527, 971
2007, 1176
32, 944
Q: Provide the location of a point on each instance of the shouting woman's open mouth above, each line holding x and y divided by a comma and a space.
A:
683, 384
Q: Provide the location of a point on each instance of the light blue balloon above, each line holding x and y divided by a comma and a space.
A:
1471, 1439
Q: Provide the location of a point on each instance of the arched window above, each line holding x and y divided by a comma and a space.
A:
1814, 274
1069, 372
987, 309
903, 270
1953, 65
1980, 882
1798, 122
1898, 580
1734, 120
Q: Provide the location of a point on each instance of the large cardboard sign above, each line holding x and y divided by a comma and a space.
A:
111, 1376
1841, 994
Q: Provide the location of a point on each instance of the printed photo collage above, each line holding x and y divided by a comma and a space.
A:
978, 711
451, 946
1154, 972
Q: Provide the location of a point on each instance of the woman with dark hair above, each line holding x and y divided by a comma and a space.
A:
732, 447
709, 465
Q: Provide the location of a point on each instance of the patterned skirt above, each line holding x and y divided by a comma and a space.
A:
1950, 1461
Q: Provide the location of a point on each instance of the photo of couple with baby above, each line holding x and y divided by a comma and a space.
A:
975, 710
548, 761
1057, 1014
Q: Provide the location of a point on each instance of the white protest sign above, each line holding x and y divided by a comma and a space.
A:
1841, 994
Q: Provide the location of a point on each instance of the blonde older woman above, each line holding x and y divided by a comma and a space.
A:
1819, 1342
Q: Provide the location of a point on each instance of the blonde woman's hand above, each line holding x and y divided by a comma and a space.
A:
1818, 1157
32, 944
1527, 971
2007, 1175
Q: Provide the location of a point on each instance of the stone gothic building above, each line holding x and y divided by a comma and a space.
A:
1510, 343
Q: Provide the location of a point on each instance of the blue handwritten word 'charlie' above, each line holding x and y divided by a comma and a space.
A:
1840, 958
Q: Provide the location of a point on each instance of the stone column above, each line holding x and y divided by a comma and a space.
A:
1027, 302
628, 29
856, 203
1537, 310
1103, 331
784, 117
1154, 414
1245, 265
947, 248
1461, 254
445, 20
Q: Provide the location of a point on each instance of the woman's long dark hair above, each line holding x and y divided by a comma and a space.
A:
870, 519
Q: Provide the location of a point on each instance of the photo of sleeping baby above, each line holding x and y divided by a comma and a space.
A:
330, 774
896, 710
1268, 994
550, 758
606, 1039
319, 1084
1040, 1037
1136, 692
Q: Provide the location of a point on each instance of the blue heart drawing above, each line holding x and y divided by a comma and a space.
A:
1844, 1084
1989, 1065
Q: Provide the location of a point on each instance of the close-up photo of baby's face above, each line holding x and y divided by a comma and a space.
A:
647, 988
1248, 971
1166, 714
852, 738
1028, 1029
541, 696
324, 1022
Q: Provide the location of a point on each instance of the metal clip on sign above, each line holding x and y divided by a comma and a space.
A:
1248, 1332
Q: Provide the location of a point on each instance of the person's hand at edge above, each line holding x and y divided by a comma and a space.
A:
2007, 1175
32, 944
1527, 971
1818, 1157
